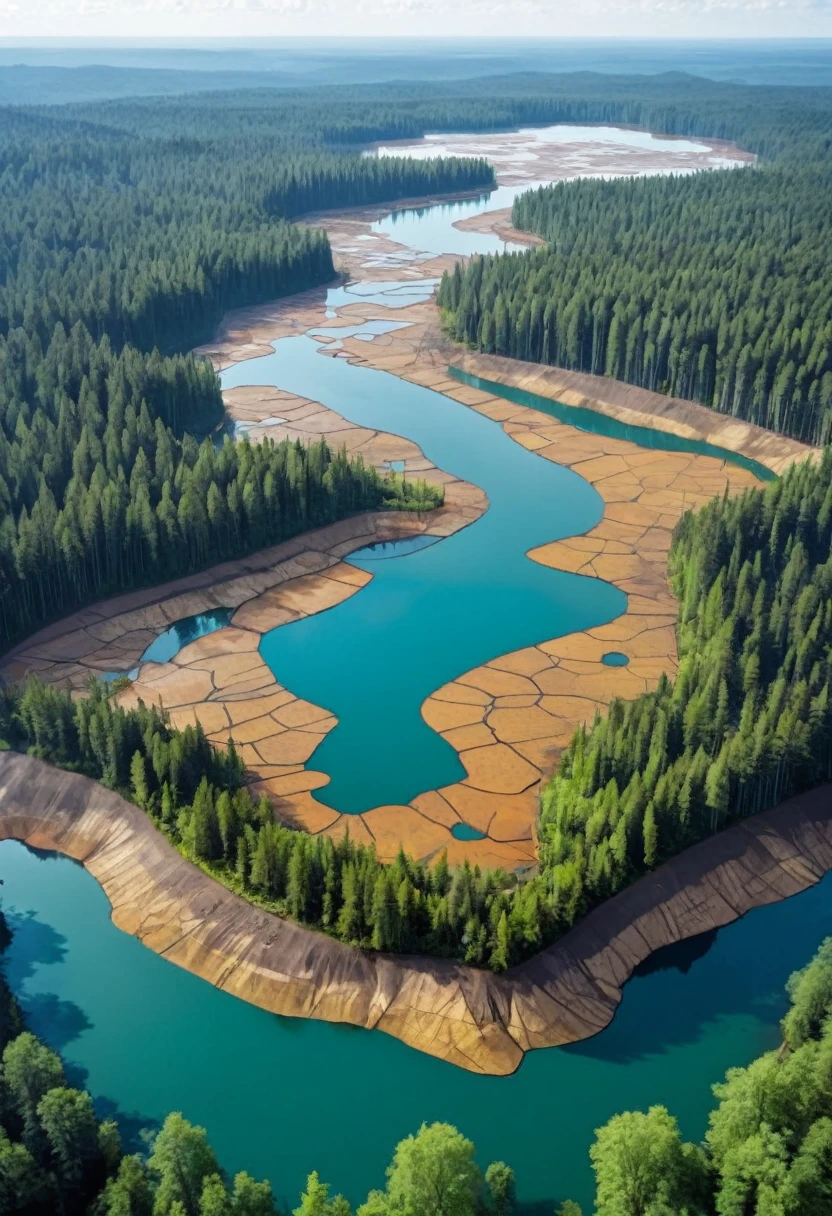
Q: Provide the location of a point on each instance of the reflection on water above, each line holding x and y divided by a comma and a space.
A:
148, 1037
601, 424
174, 639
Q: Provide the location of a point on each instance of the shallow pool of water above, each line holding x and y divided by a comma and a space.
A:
430, 230
281, 1097
615, 658
179, 635
464, 831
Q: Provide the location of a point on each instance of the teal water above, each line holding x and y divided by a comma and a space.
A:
184, 632
449, 607
464, 831
180, 634
281, 1097
601, 424
439, 611
615, 658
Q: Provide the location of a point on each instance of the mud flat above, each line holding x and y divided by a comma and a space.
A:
636, 406
499, 222
565, 151
474, 1019
510, 718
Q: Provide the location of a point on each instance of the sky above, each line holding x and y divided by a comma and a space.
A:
419, 18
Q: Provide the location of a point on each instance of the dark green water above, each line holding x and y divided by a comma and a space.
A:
282, 1097
600, 424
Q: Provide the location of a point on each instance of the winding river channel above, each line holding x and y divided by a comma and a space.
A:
281, 1097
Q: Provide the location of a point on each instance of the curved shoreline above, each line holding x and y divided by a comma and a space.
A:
508, 719
476, 1020
636, 406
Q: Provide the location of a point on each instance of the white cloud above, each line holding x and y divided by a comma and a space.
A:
603, 18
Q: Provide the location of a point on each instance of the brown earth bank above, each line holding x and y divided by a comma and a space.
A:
510, 719
474, 1019
636, 406
499, 222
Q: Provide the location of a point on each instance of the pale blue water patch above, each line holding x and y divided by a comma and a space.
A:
430, 230
568, 133
395, 293
440, 611
615, 658
432, 146
601, 424
365, 331
148, 1038
179, 635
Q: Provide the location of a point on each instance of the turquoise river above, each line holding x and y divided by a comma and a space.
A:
281, 1097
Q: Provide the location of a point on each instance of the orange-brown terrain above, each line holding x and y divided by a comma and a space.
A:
474, 1019
509, 719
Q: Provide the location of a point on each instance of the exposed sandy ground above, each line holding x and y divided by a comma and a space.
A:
476, 1020
530, 156
509, 719
499, 222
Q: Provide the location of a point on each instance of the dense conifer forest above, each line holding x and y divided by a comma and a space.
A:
715, 288
102, 486
128, 227
119, 250
746, 723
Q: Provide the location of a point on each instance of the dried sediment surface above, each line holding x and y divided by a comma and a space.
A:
547, 154
636, 406
499, 223
509, 719
473, 1019
112, 635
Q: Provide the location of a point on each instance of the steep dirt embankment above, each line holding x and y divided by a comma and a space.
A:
473, 1019
635, 406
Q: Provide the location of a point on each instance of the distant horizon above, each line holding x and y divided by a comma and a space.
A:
253, 42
